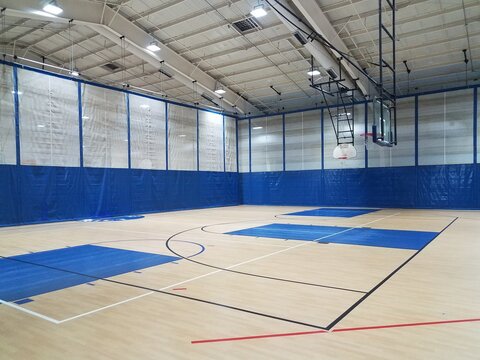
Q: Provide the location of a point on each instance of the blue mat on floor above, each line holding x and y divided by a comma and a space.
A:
334, 212
399, 239
28, 275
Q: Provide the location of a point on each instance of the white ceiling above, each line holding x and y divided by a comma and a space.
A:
431, 35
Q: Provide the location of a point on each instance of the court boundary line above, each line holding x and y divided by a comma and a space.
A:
30, 312
161, 291
376, 287
360, 328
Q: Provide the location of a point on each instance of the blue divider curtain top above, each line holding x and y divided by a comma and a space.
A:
71, 149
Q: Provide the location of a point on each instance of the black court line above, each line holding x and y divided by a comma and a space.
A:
167, 244
171, 294
363, 298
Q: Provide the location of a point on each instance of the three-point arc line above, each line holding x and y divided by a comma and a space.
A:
265, 336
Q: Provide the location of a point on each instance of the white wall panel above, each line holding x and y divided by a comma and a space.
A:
267, 144
210, 141
182, 138
105, 132
303, 141
147, 133
7, 116
445, 128
243, 146
48, 107
230, 144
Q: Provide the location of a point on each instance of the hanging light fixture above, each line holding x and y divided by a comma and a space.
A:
258, 10
313, 72
219, 90
153, 46
53, 8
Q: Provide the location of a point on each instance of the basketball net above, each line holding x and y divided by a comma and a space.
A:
344, 152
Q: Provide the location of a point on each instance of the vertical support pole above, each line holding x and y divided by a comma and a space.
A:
198, 145
17, 114
224, 144
80, 121
249, 145
166, 136
416, 130
127, 96
380, 67
394, 65
475, 124
322, 136
366, 137
236, 143
283, 133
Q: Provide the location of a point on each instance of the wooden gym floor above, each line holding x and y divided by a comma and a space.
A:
222, 296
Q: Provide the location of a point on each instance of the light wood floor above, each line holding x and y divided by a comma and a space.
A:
242, 287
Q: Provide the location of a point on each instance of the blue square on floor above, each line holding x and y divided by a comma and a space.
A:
334, 212
24, 276
398, 239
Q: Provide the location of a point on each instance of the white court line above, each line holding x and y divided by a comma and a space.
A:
105, 307
220, 270
44, 317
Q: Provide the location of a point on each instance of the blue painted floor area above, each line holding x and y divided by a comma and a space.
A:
398, 239
28, 275
334, 212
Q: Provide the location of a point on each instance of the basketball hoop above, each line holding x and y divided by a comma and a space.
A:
344, 152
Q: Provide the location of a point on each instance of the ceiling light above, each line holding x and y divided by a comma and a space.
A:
53, 8
220, 90
85, 117
153, 46
182, 135
74, 72
258, 11
144, 106
313, 72
257, 127
40, 126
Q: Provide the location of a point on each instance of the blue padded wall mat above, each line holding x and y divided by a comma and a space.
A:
426, 186
35, 274
36, 194
334, 212
398, 239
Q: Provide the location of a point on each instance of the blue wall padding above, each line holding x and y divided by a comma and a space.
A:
442, 186
33, 194
398, 239
26, 278
334, 212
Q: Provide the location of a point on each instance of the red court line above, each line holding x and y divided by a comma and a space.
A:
335, 330
180, 289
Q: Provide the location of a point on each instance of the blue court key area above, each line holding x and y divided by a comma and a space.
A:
399, 239
35, 274
334, 212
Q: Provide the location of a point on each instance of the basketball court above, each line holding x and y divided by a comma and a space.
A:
211, 292
239, 179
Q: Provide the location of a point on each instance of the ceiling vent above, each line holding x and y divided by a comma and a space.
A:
113, 66
247, 25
